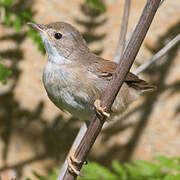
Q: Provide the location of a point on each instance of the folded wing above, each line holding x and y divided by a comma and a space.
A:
105, 69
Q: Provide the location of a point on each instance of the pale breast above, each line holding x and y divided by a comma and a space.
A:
65, 93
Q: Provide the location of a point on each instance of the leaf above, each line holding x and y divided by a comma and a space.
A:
37, 39
170, 163
53, 175
6, 3
18, 20
4, 74
7, 20
133, 172
95, 171
97, 4
17, 23
40, 177
172, 177
147, 168
27, 15
120, 170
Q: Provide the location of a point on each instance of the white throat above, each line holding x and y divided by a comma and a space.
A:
53, 54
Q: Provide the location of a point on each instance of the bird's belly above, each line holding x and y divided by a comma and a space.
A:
67, 97
75, 103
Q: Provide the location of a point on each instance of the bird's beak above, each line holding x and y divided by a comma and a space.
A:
39, 28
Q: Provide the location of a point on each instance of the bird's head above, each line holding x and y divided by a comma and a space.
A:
61, 39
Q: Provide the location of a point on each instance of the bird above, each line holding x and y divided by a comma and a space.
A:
75, 78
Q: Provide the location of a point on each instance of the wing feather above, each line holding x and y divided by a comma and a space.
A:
105, 69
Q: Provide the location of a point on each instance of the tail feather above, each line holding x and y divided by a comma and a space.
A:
141, 85
136, 83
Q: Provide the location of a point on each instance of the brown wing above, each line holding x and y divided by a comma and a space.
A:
105, 69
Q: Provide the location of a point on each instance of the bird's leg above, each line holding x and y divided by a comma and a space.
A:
72, 162
100, 110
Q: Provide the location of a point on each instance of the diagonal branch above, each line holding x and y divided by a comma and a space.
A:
116, 83
123, 32
74, 146
158, 55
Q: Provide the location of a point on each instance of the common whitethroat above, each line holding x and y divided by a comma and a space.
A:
75, 78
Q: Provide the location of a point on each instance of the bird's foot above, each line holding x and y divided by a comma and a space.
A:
72, 163
100, 110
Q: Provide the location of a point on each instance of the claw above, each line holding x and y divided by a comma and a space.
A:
100, 110
71, 163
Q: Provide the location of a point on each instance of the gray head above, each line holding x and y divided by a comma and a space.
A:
62, 39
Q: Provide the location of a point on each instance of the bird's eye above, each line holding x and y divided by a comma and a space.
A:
58, 35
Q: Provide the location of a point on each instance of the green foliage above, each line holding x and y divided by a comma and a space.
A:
6, 3
37, 39
96, 171
163, 169
97, 4
17, 19
4, 73
11, 17
172, 164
